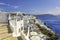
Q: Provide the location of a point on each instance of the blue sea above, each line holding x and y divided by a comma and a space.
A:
52, 21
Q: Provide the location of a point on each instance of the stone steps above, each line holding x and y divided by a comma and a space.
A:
3, 31
4, 35
7, 37
3, 27
10, 38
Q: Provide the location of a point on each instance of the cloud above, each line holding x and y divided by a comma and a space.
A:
9, 5
4, 4
55, 11
15, 7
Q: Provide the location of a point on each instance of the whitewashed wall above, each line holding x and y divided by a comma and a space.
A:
3, 17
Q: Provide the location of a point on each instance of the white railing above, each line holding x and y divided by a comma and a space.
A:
24, 36
16, 25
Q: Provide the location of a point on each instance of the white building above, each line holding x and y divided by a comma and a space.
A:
18, 22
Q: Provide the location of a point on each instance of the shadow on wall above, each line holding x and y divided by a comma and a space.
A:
9, 30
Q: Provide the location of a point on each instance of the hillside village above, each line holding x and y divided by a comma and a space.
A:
26, 26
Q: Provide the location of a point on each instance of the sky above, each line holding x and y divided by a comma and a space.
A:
31, 6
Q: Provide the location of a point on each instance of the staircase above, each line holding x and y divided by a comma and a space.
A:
4, 35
